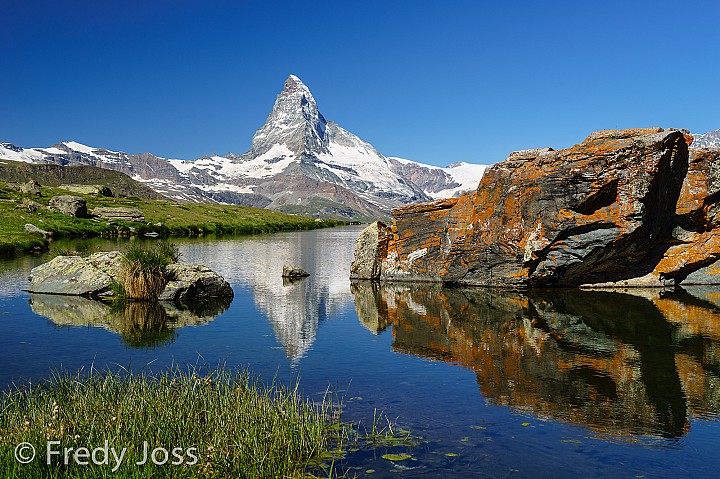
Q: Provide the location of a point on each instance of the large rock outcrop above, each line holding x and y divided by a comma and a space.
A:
69, 205
629, 207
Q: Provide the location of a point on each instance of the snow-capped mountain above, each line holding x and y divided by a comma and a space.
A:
436, 182
157, 173
306, 164
299, 162
707, 140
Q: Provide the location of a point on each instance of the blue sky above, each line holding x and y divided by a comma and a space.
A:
436, 82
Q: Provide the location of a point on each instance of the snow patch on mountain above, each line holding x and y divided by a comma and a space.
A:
710, 139
438, 182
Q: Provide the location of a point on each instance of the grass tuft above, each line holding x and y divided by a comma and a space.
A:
144, 270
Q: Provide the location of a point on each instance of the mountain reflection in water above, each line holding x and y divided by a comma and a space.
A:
141, 324
293, 308
623, 363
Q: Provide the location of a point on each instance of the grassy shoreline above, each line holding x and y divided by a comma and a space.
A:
225, 424
167, 218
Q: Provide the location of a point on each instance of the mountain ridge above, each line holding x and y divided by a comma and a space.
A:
710, 139
299, 162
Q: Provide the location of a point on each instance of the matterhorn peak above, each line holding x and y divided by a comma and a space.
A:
293, 84
294, 122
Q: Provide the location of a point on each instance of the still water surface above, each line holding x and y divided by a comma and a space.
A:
553, 383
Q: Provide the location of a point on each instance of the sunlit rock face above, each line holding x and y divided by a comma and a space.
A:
622, 208
618, 363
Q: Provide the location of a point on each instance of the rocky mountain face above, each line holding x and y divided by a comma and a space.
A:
55, 175
299, 163
453, 180
708, 140
623, 208
156, 173
304, 164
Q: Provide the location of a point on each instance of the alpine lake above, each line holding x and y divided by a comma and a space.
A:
496, 384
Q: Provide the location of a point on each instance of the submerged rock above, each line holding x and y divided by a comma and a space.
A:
623, 208
294, 272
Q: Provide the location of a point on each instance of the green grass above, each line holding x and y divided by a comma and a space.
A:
143, 274
164, 217
239, 427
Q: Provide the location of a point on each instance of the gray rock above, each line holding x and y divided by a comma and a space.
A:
32, 206
290, 271
32, 187
368, 252
75, 275
707, 275
31, 228
69, 205
88, 189
119, 213
194, 282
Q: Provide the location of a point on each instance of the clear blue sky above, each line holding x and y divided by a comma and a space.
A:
432, 81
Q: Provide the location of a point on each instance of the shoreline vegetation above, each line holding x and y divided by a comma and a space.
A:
225, 424
163, 218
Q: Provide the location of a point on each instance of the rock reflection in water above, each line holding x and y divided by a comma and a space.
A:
141, 324
629, 363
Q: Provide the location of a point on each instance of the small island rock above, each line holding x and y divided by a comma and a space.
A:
194, 282
290, 271
93, 276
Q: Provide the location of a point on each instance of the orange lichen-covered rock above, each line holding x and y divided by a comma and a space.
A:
601, 211
695, 256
